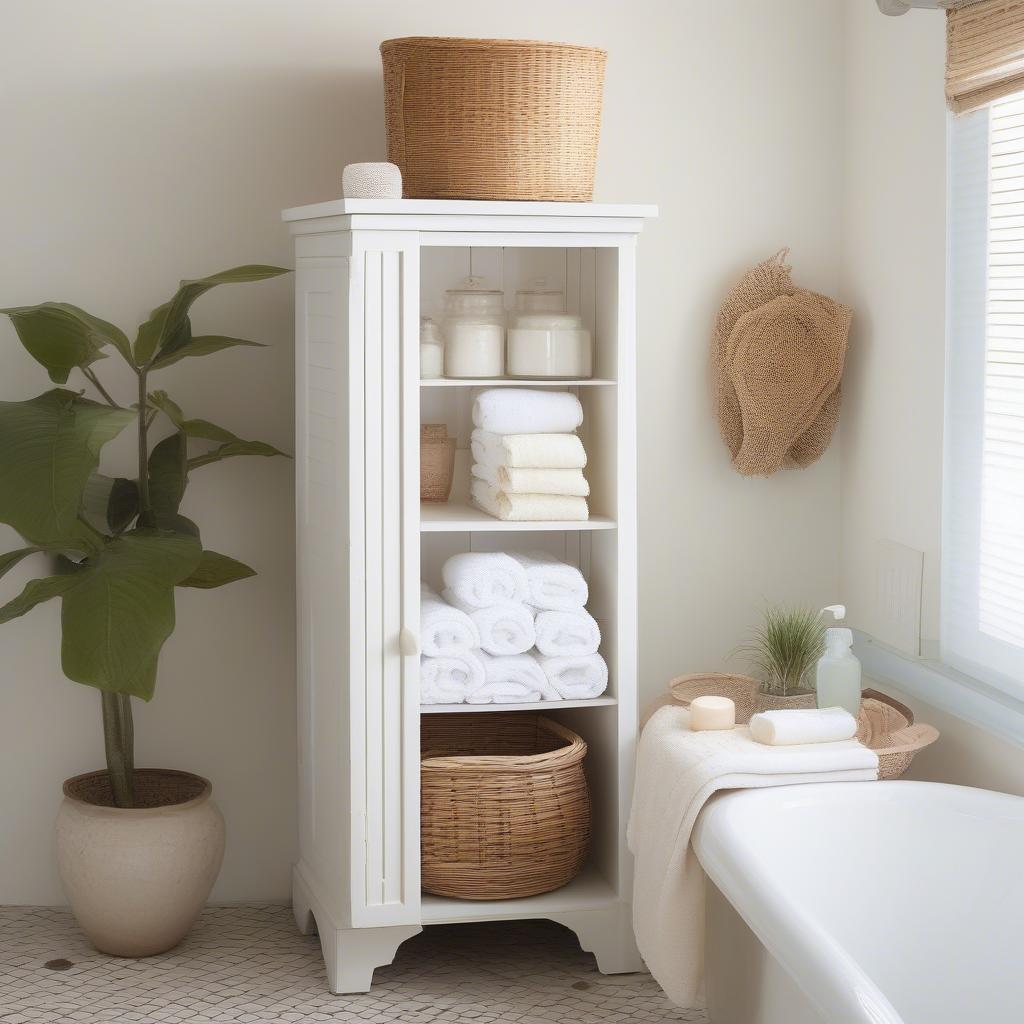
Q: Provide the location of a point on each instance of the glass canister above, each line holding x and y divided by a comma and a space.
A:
545, 341
431, 349
474, 331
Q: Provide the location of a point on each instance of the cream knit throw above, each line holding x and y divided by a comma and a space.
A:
777, 361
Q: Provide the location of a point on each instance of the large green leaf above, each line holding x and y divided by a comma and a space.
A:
10, 559
208, 431
119, 610
170, 408
61, 336
202, 345
36, 592
215, 570
232, 449
168, 475
49, 445
109, 504
163, 332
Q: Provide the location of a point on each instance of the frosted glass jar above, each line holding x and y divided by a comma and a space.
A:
431, 349
474, 331
550, 345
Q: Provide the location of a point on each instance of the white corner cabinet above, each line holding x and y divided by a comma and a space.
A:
365, 271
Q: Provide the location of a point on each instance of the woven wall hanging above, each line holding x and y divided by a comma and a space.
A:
777, 362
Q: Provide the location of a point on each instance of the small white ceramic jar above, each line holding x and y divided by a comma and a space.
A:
371, 181
431, 349
474, 331
544, 340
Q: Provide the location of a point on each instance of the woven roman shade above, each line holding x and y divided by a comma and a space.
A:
984, 53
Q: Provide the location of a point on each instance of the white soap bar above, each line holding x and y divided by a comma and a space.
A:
712, 713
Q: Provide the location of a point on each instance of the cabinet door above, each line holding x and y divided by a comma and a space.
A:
357, 320
385, 708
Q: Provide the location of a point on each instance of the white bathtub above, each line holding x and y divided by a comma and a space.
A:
864, 903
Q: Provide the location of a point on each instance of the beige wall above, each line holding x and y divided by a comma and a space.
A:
893, 272
145, 142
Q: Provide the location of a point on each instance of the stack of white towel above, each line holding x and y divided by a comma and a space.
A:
527, 460
509, 629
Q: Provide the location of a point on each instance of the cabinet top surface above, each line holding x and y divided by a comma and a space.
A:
465, 207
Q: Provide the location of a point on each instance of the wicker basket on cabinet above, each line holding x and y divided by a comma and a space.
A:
505, 809
493, 118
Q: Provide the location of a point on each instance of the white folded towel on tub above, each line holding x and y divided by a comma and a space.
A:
450, 679
582, 677
528, 451
484, 578
528, 508
552, 584
512, 679
803, 725
677, 770
525, 411
574, 633
444, 629
503, 628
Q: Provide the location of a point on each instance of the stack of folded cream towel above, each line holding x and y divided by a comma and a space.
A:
527, 459
509, 629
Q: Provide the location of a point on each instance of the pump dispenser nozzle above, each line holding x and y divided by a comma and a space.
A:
838, 611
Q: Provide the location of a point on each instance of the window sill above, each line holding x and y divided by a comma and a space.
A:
943, 687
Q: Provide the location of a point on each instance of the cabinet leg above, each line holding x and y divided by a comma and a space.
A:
352, 954
608, 934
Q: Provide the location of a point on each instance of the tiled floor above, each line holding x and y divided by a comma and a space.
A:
248, 965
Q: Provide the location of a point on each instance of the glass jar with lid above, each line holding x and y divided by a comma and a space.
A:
431, 349
474, 330
546, 341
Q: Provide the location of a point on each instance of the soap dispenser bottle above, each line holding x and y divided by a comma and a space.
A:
837, 679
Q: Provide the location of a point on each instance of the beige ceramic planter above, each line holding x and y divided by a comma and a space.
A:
137, 879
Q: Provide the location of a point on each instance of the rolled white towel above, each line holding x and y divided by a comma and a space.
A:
484, 578
803, 725
575, 678
451, 679
524, 411
533, 481
512, 679
503, 628
552, 584
528, 508
567, 633
444, 629
528, 451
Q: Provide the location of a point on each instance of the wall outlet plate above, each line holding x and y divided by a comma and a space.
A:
899, 572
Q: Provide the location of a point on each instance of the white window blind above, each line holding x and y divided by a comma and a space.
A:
983, 515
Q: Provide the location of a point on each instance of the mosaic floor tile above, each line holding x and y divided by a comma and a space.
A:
248, 965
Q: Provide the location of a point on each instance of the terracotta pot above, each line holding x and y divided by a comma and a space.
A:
138, 878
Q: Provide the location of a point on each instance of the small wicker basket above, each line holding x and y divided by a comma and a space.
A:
493, 118
437, 462
505, 809
884, 725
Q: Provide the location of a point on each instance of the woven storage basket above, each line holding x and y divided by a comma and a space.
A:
437, 462
505, 810
493, 118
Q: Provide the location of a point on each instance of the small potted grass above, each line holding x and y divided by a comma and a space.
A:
784, 651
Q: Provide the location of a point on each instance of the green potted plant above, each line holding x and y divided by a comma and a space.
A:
784, 650
138, 849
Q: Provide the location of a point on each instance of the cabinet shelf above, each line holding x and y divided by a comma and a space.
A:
540, 705
516, 382
587, 891
456, 518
